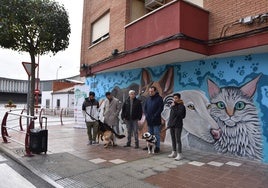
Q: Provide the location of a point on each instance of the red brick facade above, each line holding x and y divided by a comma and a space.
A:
225, 12
94, 9
222, 22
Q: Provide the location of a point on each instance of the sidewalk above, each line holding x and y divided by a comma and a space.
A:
70, 162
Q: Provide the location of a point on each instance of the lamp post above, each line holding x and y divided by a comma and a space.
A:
58, 72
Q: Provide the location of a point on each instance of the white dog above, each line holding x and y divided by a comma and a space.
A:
199, 129
150, 140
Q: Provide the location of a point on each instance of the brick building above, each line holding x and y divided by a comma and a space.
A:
187, 46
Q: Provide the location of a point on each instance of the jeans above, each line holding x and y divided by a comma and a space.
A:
175, 133
155, 130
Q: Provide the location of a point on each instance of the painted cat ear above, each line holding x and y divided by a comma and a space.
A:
213, 89
250, 87
167, 81
145, 78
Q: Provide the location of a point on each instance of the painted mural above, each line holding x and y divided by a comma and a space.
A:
225, 99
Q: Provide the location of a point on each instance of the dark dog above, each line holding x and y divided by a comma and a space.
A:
150, 140
108, 133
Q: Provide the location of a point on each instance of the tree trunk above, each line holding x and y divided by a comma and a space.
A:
32, 84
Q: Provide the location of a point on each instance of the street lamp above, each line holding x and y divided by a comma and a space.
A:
58, 72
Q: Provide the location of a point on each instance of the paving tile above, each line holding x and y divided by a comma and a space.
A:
117, 161
233, 163
196, 163
97, 161
214, 163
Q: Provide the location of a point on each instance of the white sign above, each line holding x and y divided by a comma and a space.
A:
80, 93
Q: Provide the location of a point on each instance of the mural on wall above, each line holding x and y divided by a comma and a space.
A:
80, 93
235, 113
199, 128
164, 87
226, 101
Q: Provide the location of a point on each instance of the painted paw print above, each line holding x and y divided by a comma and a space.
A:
202, 62
184, 74
197, 72
248, 58
220, 73
178, 67
241, 70
231, 63
266, 92
190, 79
214, 64
254, 67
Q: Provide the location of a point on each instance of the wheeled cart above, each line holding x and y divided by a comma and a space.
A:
39, 139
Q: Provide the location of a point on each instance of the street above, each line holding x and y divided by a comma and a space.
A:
13, 175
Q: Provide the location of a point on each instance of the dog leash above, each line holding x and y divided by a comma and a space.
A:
165, 129
91, 116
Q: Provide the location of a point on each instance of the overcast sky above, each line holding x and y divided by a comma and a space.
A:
69, 60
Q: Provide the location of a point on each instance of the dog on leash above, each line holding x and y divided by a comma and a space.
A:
150, 141
107, 133
108, 138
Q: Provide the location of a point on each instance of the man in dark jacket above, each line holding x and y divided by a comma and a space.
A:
175, 123
131, 114
152, 109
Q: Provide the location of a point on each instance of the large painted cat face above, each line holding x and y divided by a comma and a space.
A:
234, 111
232, 105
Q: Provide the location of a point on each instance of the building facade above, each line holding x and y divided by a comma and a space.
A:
213, 52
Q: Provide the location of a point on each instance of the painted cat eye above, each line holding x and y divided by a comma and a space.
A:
220, 105
240, 105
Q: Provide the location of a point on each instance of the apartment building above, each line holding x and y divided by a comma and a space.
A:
213, 52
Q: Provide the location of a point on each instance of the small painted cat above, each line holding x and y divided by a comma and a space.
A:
234, 111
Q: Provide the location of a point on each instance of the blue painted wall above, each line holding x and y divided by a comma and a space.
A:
225, 72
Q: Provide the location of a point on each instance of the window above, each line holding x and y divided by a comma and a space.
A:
47, 103
58, 103
100, 29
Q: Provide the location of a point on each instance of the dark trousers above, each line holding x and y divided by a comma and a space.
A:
132, 128
175, 133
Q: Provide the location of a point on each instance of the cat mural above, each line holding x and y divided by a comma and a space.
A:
200, 131
236, 115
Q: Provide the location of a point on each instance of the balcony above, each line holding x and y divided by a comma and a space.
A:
175, 32
169, 20
172, 33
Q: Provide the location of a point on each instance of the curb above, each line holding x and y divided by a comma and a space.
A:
29, 167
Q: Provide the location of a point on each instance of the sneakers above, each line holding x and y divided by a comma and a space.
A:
173, 154
94, 142
89, 142
179, 157
127, 145
136, 147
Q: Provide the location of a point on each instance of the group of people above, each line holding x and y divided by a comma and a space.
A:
132, 111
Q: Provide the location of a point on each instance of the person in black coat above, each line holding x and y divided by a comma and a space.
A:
153, 108
175, 124
131, 114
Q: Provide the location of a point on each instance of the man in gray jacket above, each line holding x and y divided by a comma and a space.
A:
112, 108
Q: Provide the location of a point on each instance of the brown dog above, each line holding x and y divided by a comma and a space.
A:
106, 133
108, 138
